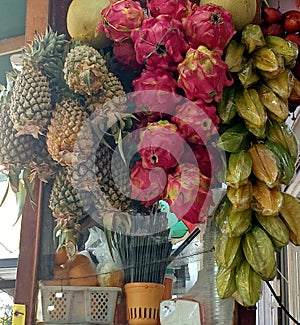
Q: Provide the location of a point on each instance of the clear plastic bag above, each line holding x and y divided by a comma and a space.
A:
109, 269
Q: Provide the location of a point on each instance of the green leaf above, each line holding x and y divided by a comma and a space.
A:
5, 195
20, 200
14, 180
87, 79
29, 185
120, 147
108, 234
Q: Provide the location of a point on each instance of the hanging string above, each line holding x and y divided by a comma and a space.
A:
281, 305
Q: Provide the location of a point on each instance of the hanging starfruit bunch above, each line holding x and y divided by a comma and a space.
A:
255, 217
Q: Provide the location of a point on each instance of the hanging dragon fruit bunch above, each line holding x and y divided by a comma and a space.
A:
178, 47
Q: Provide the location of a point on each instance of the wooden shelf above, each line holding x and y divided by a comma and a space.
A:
12, 44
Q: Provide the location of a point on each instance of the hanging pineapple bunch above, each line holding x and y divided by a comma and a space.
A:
82, 133
255, 217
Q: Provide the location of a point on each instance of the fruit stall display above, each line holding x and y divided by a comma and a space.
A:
144, 102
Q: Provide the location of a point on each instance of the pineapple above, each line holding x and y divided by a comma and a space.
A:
68, 210
112, 91
63, 132
47, 52
39, 83
113, 177
31, 107
15, 151
85, 70
64, 200
42, 163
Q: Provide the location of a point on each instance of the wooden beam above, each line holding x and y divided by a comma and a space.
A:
26, 280
243, 315
36, 18
12, 44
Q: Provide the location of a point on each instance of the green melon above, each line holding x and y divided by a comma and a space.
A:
83, 17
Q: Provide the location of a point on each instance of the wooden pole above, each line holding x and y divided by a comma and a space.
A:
26, 280
37, 12
26, 284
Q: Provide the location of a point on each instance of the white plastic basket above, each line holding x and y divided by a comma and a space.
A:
78, 305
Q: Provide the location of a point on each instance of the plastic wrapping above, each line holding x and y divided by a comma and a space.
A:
109, 269
180, 311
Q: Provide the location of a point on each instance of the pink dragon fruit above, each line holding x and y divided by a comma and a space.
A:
147, 185
203, 75
120, 18
155, 91
160, 43
161, 145
187, 193
209, 25
197, 121
125, 54
198, 153
176, 9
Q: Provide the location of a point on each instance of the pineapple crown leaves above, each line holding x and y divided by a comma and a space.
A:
20, 183
50, 47
67, 231
48, 52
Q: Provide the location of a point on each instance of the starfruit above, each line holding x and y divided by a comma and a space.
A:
277, 108
284, 161
259, 132
241, 196
250, 108
256, 107
282, 134
248, 75
260, 253
234, 139
287, 49
228, 251
266, 201
238, 222
252, 37
276, 229
222, 211
225, 282
248, 285
239, 168
264, 164
265, 59
234, 56
226, 107
274, 73
283, 84
290, 213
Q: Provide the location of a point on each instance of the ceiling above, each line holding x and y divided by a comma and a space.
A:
12, 28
